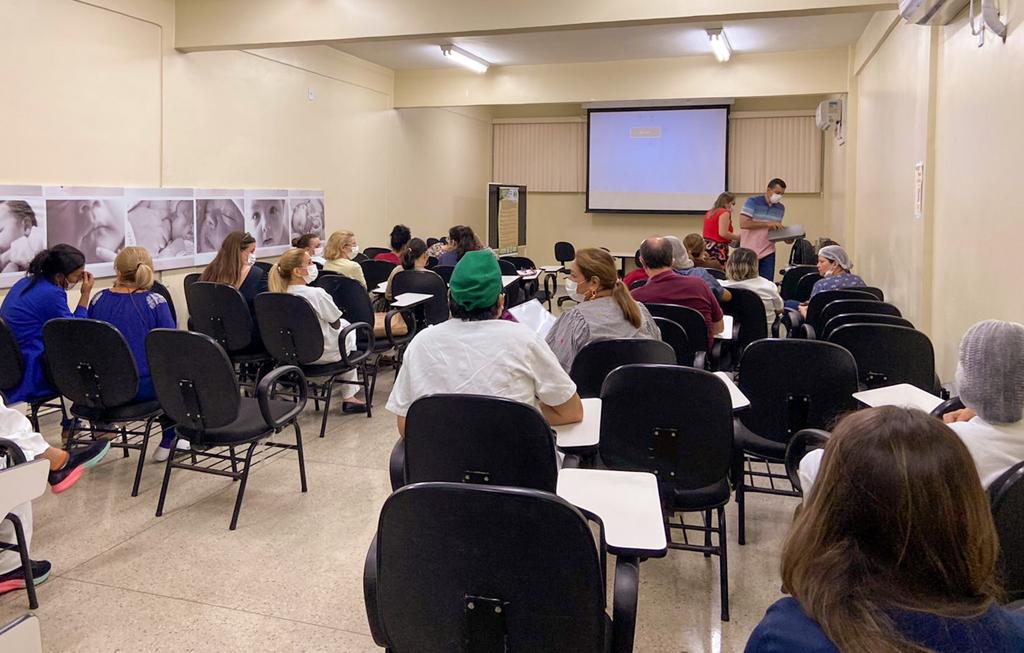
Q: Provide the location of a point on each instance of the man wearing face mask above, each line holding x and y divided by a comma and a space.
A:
762, 214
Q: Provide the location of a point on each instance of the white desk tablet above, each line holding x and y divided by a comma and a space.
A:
581, 434
901, 394
407, 299
529, 275
508, 279
627, 503
726, 333
551, 268
739, 400
381, 288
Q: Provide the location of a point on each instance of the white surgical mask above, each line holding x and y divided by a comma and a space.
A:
319, 251
250, 260
572, 287
775, 198
310, 275
354, 249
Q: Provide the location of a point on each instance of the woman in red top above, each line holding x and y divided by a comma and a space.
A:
718, 228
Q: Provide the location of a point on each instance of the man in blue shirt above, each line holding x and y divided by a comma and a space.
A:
760, 215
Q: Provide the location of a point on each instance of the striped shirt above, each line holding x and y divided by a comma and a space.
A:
758, 208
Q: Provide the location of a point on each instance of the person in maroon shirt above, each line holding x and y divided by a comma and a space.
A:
666, 287
400, 237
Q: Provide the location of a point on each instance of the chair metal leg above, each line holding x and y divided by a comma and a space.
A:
241, 486
142, 456
167, 477
26, 562
707, 531
624, 603
723, 564
124, 439
234, 463
302, 458
368, 392
329, 385
33, 417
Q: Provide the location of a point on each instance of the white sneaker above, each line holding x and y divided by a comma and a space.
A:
163, 453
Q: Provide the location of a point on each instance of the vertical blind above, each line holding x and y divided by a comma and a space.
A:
548, 157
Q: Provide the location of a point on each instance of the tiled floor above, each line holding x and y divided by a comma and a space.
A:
289, 578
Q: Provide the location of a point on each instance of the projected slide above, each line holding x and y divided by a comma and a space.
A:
656, 160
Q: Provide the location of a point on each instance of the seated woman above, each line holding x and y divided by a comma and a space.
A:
39, 297
694, 244
894, 550
414, 257
605, 310
741, 270
235, 265
341, 248
400, 236
291, 274
834, 266
135, 311
310, 243
461, 239
682, 264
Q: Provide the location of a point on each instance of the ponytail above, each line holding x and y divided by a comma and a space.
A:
598, 264
413, 250
280, 276
134, 267
630, 309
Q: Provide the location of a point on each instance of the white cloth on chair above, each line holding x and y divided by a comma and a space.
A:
15, 427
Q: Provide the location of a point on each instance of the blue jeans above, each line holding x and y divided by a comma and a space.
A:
766, 267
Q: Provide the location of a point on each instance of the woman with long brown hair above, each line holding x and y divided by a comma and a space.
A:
235, 265
895, 549
605, 310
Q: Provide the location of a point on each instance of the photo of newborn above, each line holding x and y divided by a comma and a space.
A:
22, 234
95, 226
215, 219
268, 222
164, 227
307, 217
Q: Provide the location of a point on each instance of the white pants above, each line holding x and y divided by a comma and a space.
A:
15, 427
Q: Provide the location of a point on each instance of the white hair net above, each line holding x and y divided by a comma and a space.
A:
990, 371
836, 254
680, 257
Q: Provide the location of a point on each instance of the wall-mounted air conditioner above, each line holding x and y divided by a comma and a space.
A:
931, 12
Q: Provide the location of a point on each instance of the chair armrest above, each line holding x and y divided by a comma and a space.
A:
357, 357
792, 320
268, 387
410, 323
370, 594
774, 331
571, 461
802, 442
624, 603
700, 360
947, 406
809, 332
396, 465
9, 448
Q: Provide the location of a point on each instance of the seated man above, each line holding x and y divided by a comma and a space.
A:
664, 286
477, 353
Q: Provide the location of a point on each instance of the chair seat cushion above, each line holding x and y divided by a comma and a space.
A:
122, 413
248, 426
325, 369
753, 443
711, 496
398, 326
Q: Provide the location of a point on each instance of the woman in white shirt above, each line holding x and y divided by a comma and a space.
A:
741, 272
293, 273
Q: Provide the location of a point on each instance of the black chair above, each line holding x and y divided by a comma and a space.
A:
91, 364
12, 369
718, 274
887, 355
291, 331
372, 252
693, 323
639, 283
432, 241
461, 438
791, 279
431, 262
532, 289
687, 444
803, 252
376, 272
805, 286
458, 567
195, 384
266, 266
434, 311
675, 336
219, 311
1006, 496
792, 385
861, 318
877, 292
596, 360
844, 306
947, 406
799, 326
360, 257
163, 291
748, 324
445, 272
802, 443
513, 293
564, 252
19, 486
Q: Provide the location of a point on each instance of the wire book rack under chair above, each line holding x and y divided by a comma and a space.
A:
195, 382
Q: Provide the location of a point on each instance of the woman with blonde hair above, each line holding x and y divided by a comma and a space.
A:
606, 309
134, 310
741, 272
293, 273
341, 248
895, 550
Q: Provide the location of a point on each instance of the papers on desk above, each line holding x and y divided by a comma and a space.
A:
787, 233
901, 394
581, 434
726, 333
534, 315
408, 299
739, 400
528, 275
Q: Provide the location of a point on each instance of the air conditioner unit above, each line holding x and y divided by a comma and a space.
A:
829, 113
931, 12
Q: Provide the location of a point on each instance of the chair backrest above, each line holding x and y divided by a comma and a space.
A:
507, 267
639, 283
673, 421
841, 306
596, 360
427, 282
861, 318
788, 289
432, 262
360, 257
675, 336
1006, 496
22, 635
90, 362
477, 568
219, 311
186, 285
564, 252
462, 438
802, 252
877, 292
805, 285
349, 296
823, 299
266, 266
12, 364
690, 319
164, 292
289, 328
747, 311
376, 272
193, 378
520, 262
887, 355
445, 272
795, 384
718, 274
372, 252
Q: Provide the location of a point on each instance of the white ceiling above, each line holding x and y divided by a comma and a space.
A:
616, 43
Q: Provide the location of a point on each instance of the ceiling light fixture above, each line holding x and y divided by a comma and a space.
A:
719, 44
463, 58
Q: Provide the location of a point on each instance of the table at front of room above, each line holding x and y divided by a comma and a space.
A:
623, 257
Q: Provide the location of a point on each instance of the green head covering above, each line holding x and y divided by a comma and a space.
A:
476, 280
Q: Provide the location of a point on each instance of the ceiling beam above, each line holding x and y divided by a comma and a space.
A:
242, 24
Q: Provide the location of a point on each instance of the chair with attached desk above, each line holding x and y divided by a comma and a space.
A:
861, 318
483, 568
219, 311
687, 445
532, 288
564, 252
434, 311
802, 443
291, 331
12, 369
792, 385
514, 293
887, 355
91, 364
696, 330
799, 326
22, 635
376, 272
675, 336
1006, 496
20, 482
372, 252
597, 359
195, 383
791, 279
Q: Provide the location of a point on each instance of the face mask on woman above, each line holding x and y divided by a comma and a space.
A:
354, 249
310, 275
572, 288
319, 251
250, 260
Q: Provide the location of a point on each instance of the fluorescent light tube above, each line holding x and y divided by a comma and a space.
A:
719, 44
463, 58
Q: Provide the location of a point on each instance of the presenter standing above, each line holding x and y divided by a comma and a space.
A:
762, 214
